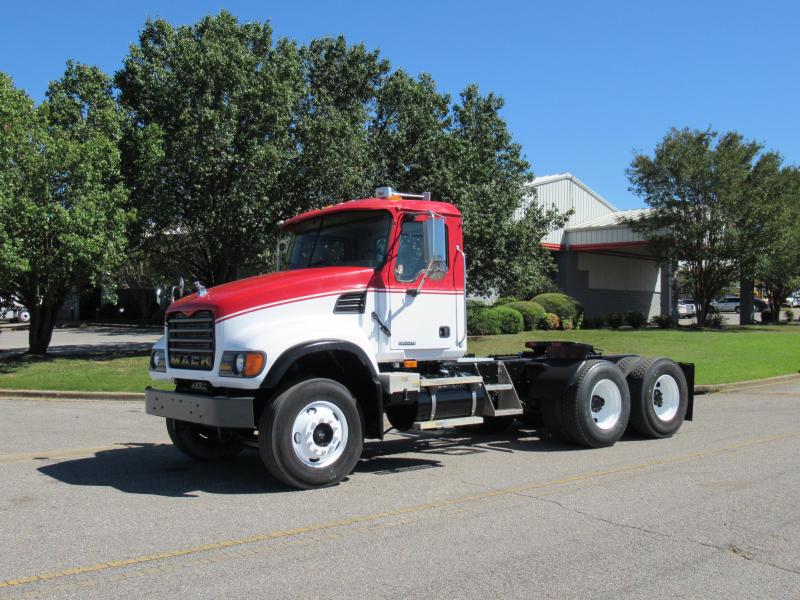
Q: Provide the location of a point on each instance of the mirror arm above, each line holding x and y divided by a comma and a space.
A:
418, 289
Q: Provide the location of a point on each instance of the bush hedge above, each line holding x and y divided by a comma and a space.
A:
562, 305
494, 321
635, 319
504, 300
550, 321
662, 321
532, 313
615, 320
593, 322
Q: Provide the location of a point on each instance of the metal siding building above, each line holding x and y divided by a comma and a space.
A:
602, 261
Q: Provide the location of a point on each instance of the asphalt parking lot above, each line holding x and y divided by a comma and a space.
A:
94, 503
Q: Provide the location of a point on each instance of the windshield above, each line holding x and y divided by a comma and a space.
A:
346, 239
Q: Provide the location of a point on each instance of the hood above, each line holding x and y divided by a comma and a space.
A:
262, 291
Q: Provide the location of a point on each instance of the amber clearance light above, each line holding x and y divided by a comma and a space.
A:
241, 363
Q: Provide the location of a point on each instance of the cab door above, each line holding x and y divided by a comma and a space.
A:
425, 320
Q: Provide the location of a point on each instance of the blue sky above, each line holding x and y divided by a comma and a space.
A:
585, 84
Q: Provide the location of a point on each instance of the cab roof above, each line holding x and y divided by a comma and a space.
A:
392, 205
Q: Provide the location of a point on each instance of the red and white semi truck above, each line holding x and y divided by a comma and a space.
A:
366, 321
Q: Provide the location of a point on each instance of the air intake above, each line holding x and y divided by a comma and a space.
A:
351, 303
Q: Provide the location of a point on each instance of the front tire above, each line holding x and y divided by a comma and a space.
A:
201, 443
311, 434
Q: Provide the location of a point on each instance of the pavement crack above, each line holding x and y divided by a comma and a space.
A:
726, 548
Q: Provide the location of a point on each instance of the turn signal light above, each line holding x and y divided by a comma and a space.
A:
253, 364
409, 364
242, 364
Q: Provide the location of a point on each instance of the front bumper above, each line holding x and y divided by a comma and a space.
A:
214, 411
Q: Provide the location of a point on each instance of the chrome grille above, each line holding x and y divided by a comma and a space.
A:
190, 340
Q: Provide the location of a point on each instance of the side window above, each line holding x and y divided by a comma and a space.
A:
410, 260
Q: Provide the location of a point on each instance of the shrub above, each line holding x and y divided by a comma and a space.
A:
662, 321
473, 303
494, 321
593, 322
789, 315
766, 316
511, 320
503, 300
532, 313
550, 321
635, 319
615, 320
480, 322
567, 325
562, 305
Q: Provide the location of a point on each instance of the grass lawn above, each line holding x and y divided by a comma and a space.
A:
85, 374
734, 354
729, 355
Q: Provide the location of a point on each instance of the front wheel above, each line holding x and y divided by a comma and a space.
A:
23, 316
311, 435
202, 443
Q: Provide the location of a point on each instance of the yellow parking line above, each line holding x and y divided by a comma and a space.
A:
399, 511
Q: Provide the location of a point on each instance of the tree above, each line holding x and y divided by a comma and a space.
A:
212, 109
702, 196
777, 264
62, 205
232, 132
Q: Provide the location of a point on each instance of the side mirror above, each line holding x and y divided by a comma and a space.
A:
434, 243
434, 240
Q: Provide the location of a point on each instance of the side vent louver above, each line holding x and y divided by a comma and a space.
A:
351, 303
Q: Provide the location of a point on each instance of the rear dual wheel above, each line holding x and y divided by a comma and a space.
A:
659, 397
594, 411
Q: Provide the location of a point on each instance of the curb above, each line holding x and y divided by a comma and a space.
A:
59, 395
135, 397
743, 385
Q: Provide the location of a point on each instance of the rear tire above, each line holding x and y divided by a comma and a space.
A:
311, 434
659, 397
596, 409
200, 442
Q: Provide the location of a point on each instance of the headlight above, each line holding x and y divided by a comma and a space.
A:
241, 364
158, 361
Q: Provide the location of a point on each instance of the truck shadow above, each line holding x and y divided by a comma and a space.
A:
458, 442
160, 470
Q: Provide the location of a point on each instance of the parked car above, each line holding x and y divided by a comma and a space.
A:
726, 304
13, 311
793, 300
686, 308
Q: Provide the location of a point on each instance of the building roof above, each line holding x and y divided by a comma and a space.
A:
544, 179
617, 219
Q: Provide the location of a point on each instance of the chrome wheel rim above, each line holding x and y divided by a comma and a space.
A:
319, 434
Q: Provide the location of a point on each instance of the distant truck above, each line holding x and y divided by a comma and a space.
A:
365, 322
